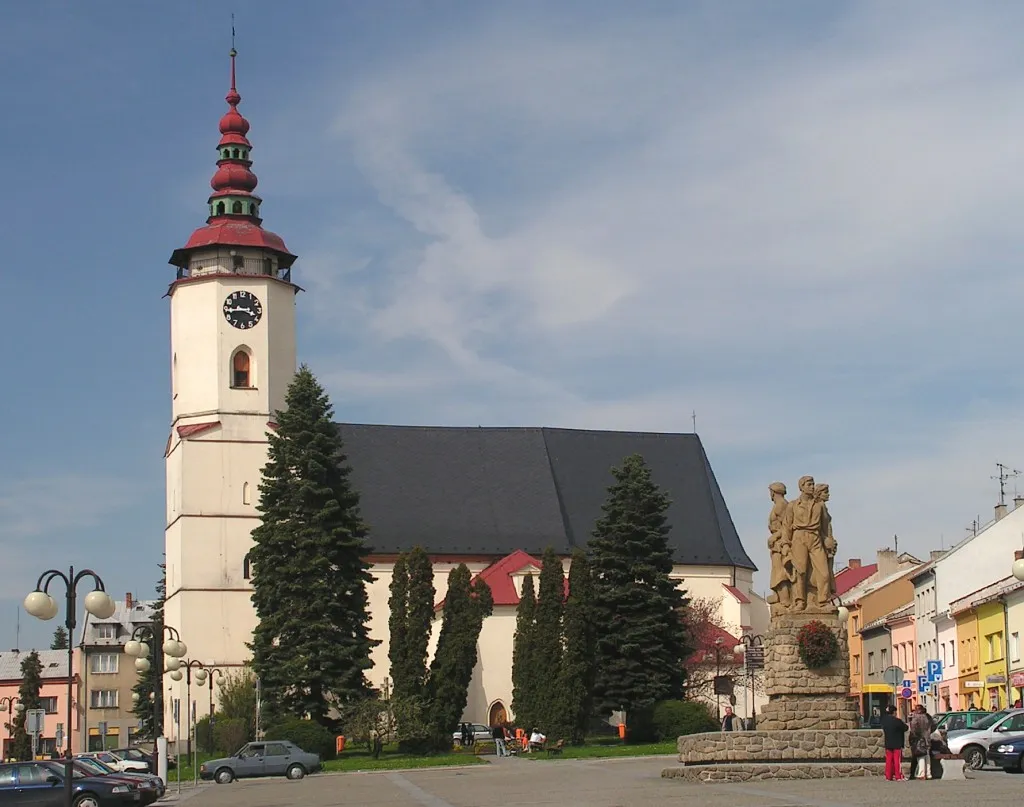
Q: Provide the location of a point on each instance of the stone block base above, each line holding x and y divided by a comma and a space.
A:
804, 712
702, 750
748, 772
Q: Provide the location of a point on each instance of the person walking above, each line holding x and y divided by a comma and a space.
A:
921, 728
894, 731
729, 720
498, 733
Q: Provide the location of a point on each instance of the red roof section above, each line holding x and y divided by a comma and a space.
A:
498, 577
711, 636
191, 429
739, 595
235, 232
848, 578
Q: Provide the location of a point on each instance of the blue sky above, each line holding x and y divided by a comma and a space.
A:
800, 220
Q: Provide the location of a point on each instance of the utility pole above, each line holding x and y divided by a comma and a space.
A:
1005, 473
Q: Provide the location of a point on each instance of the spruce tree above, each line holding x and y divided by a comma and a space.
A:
524, 690
311, 647
466, 605
147, 684
577, 673
60, 639
547, 645
28, 697
641, 641
421, 618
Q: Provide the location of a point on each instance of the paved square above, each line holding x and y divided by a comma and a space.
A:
594, 783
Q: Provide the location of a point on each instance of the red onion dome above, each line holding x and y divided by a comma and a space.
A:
233, 176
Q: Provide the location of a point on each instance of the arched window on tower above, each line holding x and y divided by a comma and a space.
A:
235, 155
246, 496
241, 372
246, 567
220, 208
252, 208
236, 208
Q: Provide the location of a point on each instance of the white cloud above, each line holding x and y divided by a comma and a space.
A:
805, 232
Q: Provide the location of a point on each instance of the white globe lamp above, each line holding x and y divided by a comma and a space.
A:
175, 675
99, 604
133, 648
142, 665
41, 605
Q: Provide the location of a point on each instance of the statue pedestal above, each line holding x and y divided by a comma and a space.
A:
799, 698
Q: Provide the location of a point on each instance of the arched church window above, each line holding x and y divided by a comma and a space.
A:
246, 567
236, 207
236, 154
220, 208
240, 371
246, 496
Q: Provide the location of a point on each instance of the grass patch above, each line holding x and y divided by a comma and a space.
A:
388, 762
604, 748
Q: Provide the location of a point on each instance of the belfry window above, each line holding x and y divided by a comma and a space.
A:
240, 371
246, 567
220, 208
236, 208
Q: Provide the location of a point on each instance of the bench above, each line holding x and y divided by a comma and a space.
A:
555, 749
952, 766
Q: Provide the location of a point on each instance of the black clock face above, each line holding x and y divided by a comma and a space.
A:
242, 309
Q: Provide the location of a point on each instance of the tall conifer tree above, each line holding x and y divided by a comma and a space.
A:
398, 625
524, 690
60, 638
577, 673
28, 697
547, 644
641, 639
466, 605
411, 616
311, 647
148, 683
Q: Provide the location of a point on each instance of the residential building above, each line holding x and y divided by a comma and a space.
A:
902, 635
465, 494
53, 696
109, 676
948, 689
992, 640
969, 685
1014, 602
874, 693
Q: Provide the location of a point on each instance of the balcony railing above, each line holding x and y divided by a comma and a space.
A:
235, 265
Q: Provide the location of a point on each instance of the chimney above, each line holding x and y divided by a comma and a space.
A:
936, 554
1018, 554
128, 601
887, 562
1000, 511
853, 563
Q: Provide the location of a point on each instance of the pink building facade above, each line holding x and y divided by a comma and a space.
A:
53, 696
902, 634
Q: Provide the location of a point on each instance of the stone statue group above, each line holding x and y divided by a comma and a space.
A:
802, 547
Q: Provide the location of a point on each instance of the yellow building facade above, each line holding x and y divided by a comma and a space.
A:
991, 638
967, 658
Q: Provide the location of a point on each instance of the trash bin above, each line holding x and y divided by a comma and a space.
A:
339, 743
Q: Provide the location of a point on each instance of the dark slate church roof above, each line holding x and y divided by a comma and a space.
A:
491, 491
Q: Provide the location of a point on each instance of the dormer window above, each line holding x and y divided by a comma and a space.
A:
106, 630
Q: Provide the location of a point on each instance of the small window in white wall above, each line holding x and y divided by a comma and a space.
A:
246, 568
241, 369
1015, 646
246, 498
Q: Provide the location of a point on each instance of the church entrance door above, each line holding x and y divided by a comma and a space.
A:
498, 716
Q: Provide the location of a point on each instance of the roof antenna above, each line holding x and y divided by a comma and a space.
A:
232, 30
1005, 473
693, 417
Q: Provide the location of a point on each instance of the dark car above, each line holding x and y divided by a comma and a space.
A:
41, 784
1007, 754
266, 758
151, 786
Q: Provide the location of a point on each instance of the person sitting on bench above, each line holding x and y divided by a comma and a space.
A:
537, 741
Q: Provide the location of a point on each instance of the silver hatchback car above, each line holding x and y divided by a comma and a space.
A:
973, 745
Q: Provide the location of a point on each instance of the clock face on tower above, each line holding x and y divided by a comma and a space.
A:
243, 309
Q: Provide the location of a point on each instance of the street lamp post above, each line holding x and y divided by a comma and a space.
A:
718, 675
40, 604
170, 647
14, 706
200, 675
221, 680
750, 660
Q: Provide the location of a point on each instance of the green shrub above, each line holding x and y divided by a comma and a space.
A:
671, 719
306, 734
230, 734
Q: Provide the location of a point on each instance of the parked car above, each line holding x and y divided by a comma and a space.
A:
266, 758
1008, 754
481, 734
41, 784
141, 754
950, 722
152, 786
973, 745
117, 762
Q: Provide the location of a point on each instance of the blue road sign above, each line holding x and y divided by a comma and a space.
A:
933, 670
923, 684
906, 693
907, 683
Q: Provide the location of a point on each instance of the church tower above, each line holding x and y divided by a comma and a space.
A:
232, 359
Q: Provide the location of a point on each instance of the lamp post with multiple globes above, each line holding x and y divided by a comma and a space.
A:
200, 676
750, 661
221, 681
166, 652
42, 605
14, 706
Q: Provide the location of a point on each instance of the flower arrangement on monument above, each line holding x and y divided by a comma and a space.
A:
817, 644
